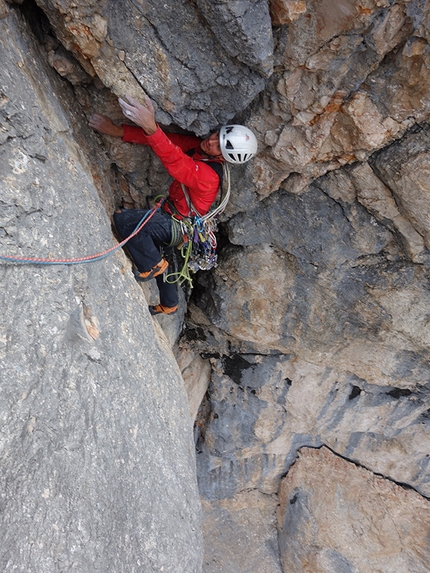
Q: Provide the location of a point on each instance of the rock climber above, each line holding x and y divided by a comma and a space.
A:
192, 162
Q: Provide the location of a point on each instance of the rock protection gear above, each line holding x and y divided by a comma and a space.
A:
238, 143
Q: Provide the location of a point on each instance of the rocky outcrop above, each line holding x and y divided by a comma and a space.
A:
97, 469
335, 516
311, 332
351, 80
197, 80
240, 534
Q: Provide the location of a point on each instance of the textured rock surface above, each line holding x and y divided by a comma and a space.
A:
201, 62
334, 516
315, 324
240, 534
265, 408
404, 168
97, 466
331, 102
341, 315
196, 373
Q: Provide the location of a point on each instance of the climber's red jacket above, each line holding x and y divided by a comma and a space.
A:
201, 181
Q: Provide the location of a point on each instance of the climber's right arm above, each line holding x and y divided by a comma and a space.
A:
103, 124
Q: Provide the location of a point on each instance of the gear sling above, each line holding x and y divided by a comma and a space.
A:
195, 234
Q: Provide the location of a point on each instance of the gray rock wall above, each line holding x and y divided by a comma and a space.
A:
201, 63
313, 329
334, 517
97, 467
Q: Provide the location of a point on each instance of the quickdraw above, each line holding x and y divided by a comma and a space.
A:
203, 253
199, 242
198, 249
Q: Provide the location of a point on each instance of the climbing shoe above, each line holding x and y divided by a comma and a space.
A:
154, 272
160, 309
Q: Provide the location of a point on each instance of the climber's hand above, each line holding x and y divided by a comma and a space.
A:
103, 124
142, 115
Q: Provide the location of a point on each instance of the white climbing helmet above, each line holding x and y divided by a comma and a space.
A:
238, 143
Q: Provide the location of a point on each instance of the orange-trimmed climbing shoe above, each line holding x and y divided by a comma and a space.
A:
154, 272
160, 309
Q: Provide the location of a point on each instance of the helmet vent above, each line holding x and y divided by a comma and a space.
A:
238, 143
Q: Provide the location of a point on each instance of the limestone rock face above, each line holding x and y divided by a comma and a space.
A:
328, 317
240, 533
312, 331
330, 103
404, 168
97, 468
334, 516
202, 63
196, 373
265, 407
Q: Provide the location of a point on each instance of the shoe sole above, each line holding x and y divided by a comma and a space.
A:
158, 309
155, 272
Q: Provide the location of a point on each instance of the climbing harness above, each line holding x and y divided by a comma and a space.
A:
198, 241
89, 258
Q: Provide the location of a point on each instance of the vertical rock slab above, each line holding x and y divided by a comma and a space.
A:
405, 168
335, 516
241, 534
97, 468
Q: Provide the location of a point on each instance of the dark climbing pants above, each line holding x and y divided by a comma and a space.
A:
145, 247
